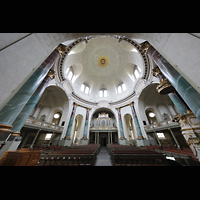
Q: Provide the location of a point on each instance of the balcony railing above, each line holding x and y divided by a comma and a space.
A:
38, 124
161, 125
103, 128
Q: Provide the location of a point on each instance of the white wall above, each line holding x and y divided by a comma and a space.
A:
21, 54
180, 49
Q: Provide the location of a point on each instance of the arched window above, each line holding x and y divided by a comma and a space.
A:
69, 73
56, 118
85, 88
121, 88
103, 92
151, 116
136, 72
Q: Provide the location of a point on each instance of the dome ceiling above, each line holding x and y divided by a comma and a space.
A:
103, 62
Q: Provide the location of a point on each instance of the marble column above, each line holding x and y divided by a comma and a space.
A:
178, 102
15, 105
121, 130
21, 119
136, 122
69, 129
166, 88
182, 86
86, 124
188, 121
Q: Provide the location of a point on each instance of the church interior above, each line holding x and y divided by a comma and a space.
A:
99, 99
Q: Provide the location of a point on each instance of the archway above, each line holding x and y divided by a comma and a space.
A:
130, 130
49, 105
77, 129
157, 105
151, 116
57, 117
103, 127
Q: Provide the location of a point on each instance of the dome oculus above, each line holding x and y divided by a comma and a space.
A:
103, 61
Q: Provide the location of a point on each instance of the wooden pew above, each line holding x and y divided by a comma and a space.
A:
137, 157
71, 156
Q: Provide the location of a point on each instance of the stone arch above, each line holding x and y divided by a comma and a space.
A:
77, 129
50, 99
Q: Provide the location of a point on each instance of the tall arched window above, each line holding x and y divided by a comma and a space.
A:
69, 73
56, 118
121, 88
103, 92
85, 88
136, 72
151, 116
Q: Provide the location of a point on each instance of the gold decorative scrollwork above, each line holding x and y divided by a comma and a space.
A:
193, 141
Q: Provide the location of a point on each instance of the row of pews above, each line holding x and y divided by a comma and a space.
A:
122, 155
84, 155
172, 149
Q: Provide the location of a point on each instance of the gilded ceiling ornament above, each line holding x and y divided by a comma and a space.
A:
102, 61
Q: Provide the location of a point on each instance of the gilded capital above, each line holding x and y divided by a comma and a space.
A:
61, 48
156, 71
145, 46
52, 74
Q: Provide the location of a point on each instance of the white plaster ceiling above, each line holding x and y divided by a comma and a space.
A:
122, 57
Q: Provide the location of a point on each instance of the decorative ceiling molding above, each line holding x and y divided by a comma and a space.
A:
103, 61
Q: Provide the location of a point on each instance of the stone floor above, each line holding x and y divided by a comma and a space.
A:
103, 159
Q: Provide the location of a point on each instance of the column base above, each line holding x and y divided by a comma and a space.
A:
65, 142
16, 134
10, 145
5, 128
84, 141
142, 142
123, 141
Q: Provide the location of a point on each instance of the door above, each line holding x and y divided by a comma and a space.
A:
103, 139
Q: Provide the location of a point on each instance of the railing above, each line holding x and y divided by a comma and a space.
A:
32, 122
161, 125
103, 128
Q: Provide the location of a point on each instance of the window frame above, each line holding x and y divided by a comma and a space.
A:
121, 88
103, 93
85, 88
68, 72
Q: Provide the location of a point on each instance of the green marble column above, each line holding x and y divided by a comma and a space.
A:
136, 122
182, 86
11, 110
170, 91
69, 128
26, 111
86, 124
121, 130
179, 103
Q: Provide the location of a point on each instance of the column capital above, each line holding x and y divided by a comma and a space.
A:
156, 71
75, 104
61, 48
51, 74
145, 46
